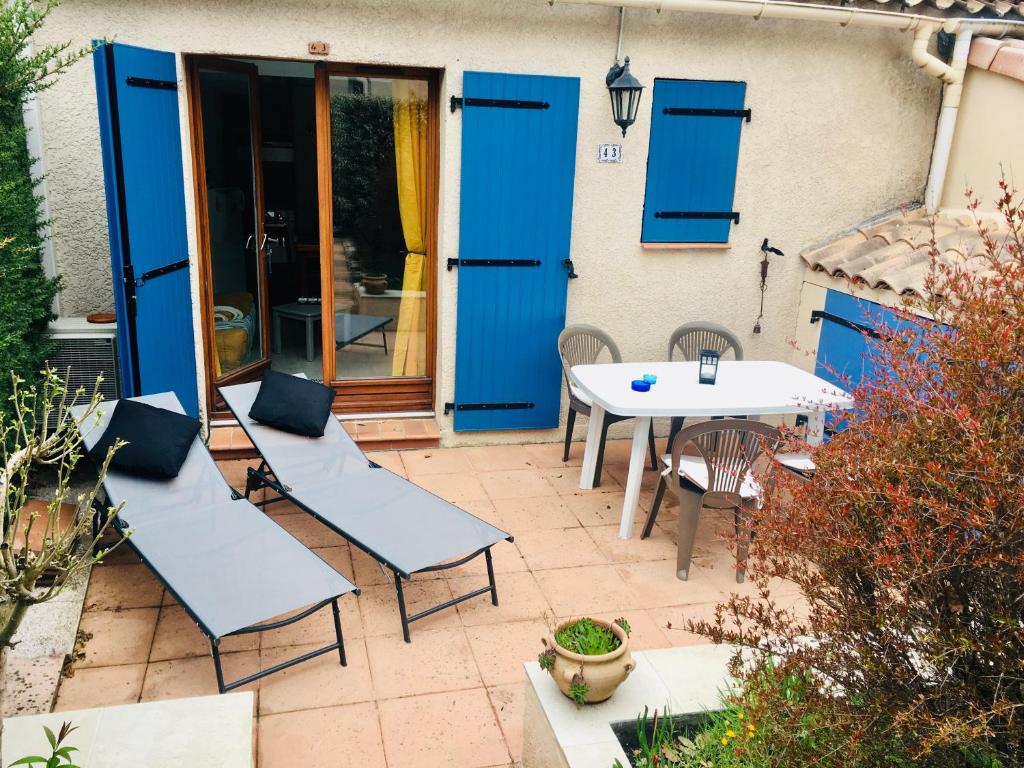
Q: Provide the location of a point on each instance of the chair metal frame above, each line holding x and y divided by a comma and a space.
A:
585, 343
730, 449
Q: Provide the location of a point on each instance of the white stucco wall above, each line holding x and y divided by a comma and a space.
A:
842, 128
987, 140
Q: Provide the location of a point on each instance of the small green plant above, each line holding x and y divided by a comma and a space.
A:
578, 689
61, 753
587, 638
546, 658
621, 621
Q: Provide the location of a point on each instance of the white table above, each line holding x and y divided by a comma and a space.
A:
742, 388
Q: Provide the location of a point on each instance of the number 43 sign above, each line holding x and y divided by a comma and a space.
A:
609, 153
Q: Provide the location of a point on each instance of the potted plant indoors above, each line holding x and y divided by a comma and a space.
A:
588, 658
375, 283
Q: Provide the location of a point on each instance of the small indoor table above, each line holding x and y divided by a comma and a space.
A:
742, 388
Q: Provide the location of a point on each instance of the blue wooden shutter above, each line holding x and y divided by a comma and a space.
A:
145, 189
691, 162
518, 167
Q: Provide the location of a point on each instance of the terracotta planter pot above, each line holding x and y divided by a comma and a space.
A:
375, 285
602, 674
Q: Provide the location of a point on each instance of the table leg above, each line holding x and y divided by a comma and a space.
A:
637, 462
309, 339
593, 447
815, 428
276, 339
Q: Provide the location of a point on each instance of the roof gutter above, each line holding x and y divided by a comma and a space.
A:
787, 9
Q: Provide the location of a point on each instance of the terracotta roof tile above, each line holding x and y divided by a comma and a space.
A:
993, 9
892, 252
1005, 57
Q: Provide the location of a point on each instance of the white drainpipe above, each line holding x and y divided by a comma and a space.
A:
924, 27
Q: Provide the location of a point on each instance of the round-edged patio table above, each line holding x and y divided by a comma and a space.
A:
742, 388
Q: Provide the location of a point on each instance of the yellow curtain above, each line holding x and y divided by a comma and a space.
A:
410, 113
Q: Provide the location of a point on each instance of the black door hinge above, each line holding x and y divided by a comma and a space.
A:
693, 112
150, 274
148, 82
459, 102
493, 263
449, 407
733, 215
818, 314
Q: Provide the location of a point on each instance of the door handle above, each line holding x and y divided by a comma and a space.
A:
572, 269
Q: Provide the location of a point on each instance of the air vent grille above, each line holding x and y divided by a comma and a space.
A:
79, 361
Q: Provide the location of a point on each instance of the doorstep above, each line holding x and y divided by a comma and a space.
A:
230, 442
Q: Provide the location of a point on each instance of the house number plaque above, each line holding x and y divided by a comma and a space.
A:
609, 153
319, 48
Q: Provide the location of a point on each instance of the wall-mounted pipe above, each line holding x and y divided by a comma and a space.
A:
946, 126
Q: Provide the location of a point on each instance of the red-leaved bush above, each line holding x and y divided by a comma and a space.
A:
908, 545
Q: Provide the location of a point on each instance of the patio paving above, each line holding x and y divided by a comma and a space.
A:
453, 697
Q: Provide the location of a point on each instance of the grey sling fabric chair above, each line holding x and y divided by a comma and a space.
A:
232, 568
583, 344
404, 527
688, 341
719, 476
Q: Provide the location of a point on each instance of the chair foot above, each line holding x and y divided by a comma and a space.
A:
653, 514
570, 422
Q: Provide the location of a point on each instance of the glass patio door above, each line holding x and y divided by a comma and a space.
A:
377, 138
231, 216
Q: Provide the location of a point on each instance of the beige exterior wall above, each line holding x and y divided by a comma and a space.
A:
988, 137
842, 128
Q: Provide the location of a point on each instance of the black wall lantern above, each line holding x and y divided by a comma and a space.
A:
625, 91
708, 366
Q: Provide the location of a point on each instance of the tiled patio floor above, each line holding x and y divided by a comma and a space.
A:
453, 697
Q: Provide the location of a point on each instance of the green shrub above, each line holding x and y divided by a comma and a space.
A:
587, 638
27, 293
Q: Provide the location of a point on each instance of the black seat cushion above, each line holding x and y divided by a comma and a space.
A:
158, 440
292, 404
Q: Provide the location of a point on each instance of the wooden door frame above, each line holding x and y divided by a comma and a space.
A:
411, 393
193, 63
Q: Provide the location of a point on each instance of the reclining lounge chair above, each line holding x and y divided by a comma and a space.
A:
399, 524
231, 567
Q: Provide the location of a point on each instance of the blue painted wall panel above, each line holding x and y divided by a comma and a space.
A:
141, 138
691, 162
518, 168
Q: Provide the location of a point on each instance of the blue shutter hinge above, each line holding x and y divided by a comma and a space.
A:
459, 102
693, 112
733, 215
449, 407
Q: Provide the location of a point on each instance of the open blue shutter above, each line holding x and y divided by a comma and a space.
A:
691, 163
518, 170
140, 137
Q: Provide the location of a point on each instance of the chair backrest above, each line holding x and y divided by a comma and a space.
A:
582, 344
730, 449
688, 340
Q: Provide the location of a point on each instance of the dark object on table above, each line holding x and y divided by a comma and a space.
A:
708, 366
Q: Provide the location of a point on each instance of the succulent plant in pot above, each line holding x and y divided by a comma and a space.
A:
588, 658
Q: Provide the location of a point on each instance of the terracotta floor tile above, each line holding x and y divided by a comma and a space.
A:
567, 480
659, 546
501, 649
319, 682
379, 606
334, 737
619, 473
178, 637
309, 530
504, 555
411, 726
367, 571
584, 590
558, 548
671, 620
235, 471
113, 587
519, 599
318, 628
180, 678
550, 454
101, 687
455, 488
436, 660
507, 701
515, 484
118, 637
519, 515
436, 461
654, 584
594, 507
391, 460
339, 559
492, 458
